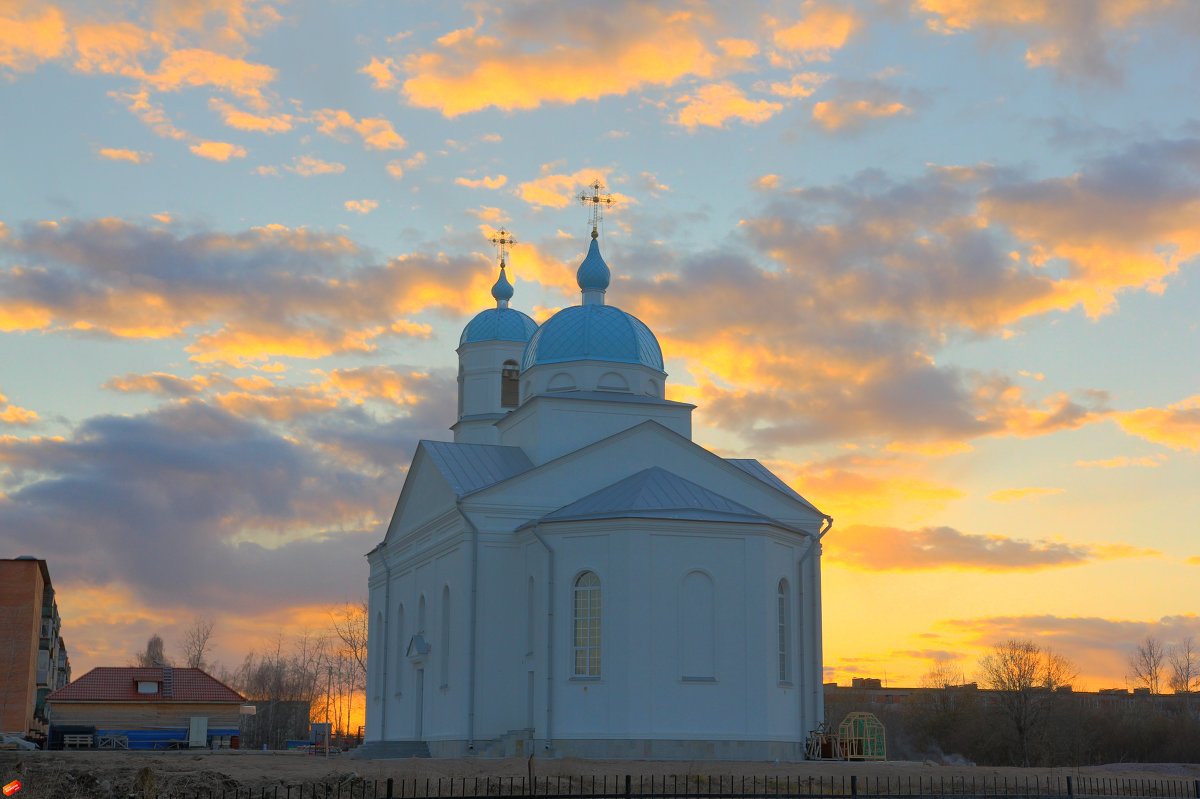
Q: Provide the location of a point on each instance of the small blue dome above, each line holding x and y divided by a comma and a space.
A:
593, 273
498, 324
593, 333
502, 289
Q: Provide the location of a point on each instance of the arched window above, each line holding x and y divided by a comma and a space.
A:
784, 615
421, 615
510, 385
445, 635
530, 617
401, 644
698, 647
587, 625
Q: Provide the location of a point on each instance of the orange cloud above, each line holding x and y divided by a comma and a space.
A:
738, 48
558, 190
239, 346
119, 154
1176, 426
566, 58
713, 105
30, 33
1123, 462
822, 29
801, 85
835, 115
244, 120
151, 115
489, 214
218, 150
307, 166
376, 133
893, 549
381, 71
401, 388
360, 206
195, 67
1017, 494
160, 383
14, 414
112, 48
485, 182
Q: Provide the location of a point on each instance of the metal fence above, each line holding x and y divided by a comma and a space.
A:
725, 787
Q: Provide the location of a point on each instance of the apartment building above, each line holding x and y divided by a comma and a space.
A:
33, 656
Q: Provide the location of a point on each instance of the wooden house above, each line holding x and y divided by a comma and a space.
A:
132, 707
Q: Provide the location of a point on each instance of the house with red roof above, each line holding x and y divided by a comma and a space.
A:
135, 707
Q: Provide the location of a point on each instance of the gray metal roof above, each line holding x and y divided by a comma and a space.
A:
470, 467
657, 493
755, 469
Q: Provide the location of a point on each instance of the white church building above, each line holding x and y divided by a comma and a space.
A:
573, 576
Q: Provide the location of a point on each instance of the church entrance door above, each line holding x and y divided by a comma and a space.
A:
419, 710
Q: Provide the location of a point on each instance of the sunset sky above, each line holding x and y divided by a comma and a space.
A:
936, 262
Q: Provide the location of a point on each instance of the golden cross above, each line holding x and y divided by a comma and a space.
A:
502, 239
597, 200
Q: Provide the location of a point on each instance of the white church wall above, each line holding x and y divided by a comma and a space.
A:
549, 427
500, 675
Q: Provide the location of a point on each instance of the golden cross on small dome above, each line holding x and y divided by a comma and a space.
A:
502, 239
597, 200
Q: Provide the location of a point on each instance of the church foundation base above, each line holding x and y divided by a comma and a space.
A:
591, 749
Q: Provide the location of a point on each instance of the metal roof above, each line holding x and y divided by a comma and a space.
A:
657, 493
470, 467
755, 469
593, 333
498, 324
120, 683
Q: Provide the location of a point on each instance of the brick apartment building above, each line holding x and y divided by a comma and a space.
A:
33, 657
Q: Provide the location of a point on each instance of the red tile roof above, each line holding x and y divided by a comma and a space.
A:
119, 684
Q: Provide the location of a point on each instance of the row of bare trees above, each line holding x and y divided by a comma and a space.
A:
1179, 661
317, 676
1028, 716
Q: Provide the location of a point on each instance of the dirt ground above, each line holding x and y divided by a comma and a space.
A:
113, 775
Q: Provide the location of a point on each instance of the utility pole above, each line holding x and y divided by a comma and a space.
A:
328, 695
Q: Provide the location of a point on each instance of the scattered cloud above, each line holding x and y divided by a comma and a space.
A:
120, 154
15, 414
559, 189
526, 57
244, 120
376, 133
1123, 462
1018, 494
382, 71
485, 182
820, 30
1176, 426
801, 85
361, 206
308, 166
893, 549
218, 150
716, 103
839, 115
33, 34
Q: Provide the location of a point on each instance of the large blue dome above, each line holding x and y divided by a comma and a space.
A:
593, 333
498, 324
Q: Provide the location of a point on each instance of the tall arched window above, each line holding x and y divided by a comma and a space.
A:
784, 617
510, 385
421, 615
698, 647
587, 625
445, 635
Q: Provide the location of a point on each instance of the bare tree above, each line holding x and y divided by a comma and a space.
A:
154, 654
196, 642
350, 625
1185, 666
1146, 664
1025, 677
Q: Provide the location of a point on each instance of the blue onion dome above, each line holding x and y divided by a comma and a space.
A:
593, 333
593, 274
502, 290
498, 324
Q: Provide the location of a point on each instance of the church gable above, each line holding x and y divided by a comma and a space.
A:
597, 466
655, 493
